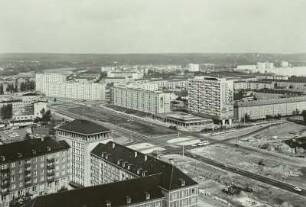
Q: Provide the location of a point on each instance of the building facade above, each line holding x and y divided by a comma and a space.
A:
253, 85
211, 97
82, 136
146, 99
55, 85
260, 109
36, 167
112, 162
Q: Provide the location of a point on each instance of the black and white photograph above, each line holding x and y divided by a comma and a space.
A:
161, 103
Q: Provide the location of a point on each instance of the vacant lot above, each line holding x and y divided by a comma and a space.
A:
213, 180
269, 166
123, 121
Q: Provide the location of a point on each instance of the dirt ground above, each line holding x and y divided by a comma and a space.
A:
212, 180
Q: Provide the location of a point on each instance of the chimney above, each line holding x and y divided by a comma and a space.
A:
119, 161
144, 173
108, 204
3, 158
129, 166
128, 199
148, 195
136, 154
182, 182
42, 138
139, 171
145, 157
113, 145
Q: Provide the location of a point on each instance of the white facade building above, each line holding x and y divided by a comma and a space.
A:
130, 74
193, 67
55, 85
211, 97
142, 97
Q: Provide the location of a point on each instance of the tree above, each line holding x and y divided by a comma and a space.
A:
304, 116
6, 111
20, 200
247, 118
1, 89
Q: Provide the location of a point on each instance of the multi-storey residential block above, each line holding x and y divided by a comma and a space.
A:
145, 98
112, 162
130, 74
82, 136
141, 192
253, 85
211, 97
36, 166
55, 85
260, 109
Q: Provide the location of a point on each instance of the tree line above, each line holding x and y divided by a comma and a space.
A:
12, 88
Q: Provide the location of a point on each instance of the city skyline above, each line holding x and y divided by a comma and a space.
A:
236, 26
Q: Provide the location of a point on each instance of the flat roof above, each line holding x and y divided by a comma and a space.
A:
83, 127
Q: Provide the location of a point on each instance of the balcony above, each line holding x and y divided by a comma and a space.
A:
50, 173
50, 179
27, 165
50, 160
51, 167
7, 170
5, 185
27, 172
5, 191
27, 179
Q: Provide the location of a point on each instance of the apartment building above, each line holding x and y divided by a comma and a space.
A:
260, 109
130, 74
141, 192
36, 166
55, 85
253, 85
82, 136
211, 97
113, 163
141, 97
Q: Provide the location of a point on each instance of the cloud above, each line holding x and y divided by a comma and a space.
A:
123, 26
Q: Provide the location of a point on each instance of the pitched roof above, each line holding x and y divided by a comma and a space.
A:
30, 148
97, 196
171, 177
83, 127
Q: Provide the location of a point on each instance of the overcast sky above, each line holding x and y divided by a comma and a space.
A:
152, 26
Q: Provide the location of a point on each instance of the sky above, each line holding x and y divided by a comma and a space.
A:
152, 26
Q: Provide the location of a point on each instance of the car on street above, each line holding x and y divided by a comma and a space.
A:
297, 189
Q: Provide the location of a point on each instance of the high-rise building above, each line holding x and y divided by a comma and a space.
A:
55, 85
82, 136
34, 167
211, 97
143, 97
